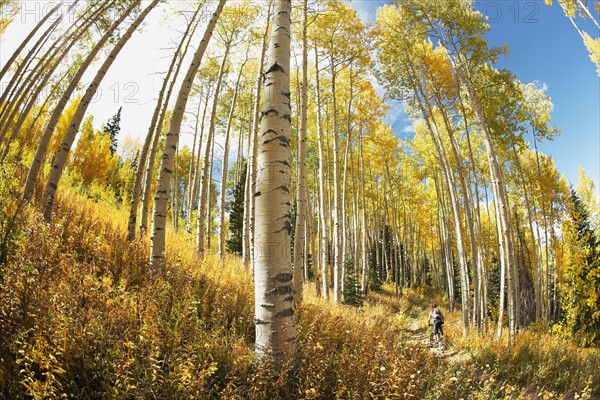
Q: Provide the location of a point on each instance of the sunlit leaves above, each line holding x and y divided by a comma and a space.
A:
93, 159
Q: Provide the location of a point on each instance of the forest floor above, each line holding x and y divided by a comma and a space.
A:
80, 317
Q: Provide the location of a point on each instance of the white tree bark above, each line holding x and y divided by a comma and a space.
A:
207, 160
161, 196
30, 36
248, 231
323, 245
152, 132
44, 140
224, 168
60, 158
274, 290
301, 190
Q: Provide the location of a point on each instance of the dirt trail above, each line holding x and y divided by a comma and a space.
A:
417, 333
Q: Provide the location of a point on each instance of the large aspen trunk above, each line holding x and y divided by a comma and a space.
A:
274, 290
60, 158
161, 197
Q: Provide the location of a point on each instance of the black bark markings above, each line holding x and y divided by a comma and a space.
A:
288, 312
283, 277
287, 226
282, 138
274, 68
282, 290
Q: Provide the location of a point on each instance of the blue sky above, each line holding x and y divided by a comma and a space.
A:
544, 47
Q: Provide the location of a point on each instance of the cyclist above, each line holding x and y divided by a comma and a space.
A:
438, 321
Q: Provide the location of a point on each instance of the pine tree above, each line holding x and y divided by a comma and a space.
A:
236, 215
113, 127
581, 289
375, 280
352, 293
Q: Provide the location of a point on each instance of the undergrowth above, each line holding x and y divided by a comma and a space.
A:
80, 318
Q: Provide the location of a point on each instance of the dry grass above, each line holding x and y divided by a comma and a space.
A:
80, 317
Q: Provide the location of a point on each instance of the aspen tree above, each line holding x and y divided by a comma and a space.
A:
161, 196
229, 30
301, 190
249, 209
224, 167
154, 130
274, 289
44, 140
10, 62
60, 158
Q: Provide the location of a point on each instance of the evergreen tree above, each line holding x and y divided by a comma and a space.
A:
113, 127
236, 216
581, 289
375, 280
352, 293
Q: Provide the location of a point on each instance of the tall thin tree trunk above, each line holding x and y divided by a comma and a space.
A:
169, 83
207, 160
154, 131
337, 234
19, 74
30, 36
324, 245
301, 189
60, 158
248, 253
161, 197
224, 168
26, 94
196, 149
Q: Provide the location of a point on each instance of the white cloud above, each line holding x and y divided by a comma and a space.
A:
367, 9
410, 128
397, 118
543, 86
